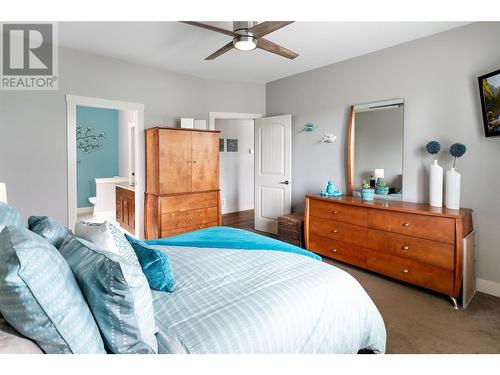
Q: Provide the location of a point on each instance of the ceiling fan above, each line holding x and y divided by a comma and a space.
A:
248, 35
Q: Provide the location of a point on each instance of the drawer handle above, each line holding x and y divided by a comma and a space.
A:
334, 231
406, 224
190, 219
334, 250
335, 212
190, 202
405, 270
405, 247
189, 162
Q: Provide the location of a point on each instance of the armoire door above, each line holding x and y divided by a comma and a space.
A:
175, 161
205, 161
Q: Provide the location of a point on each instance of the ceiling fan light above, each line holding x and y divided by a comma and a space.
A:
244, 43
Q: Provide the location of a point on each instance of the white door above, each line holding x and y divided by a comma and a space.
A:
273, 171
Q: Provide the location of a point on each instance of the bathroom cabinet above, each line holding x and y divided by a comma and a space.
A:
125, 208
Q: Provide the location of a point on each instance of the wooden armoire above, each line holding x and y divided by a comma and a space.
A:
182, 181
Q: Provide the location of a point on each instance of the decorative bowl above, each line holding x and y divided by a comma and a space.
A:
367, 194
382, 190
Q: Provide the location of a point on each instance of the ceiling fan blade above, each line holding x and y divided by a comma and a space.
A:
220, 51
210, 27
275, 48
267, 27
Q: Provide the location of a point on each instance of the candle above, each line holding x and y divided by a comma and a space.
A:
379, 173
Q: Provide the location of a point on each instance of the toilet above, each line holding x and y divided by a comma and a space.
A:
104, 202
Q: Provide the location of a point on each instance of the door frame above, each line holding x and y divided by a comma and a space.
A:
213, 116
72, 101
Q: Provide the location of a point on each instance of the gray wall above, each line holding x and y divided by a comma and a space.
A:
33, 124
437, 77
378, 143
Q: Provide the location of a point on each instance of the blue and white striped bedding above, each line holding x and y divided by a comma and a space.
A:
237, 301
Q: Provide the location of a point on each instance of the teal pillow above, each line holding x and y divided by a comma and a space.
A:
40, 297
118, 295
10, 217
49, 228
155, 265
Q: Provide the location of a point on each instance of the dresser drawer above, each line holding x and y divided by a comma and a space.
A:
423, 226
188, 202
338, 212
337, 230
436, 253
413, 272
338, 250
190, 218
173, 232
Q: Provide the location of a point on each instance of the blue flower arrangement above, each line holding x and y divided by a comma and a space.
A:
433, 147
457, 150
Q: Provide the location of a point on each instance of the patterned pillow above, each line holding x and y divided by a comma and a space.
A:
118, 295
10, 217
49, 228
106, 236
40, 297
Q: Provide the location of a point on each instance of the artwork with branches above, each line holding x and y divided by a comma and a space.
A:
88, 140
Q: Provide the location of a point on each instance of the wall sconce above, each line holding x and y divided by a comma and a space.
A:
328, 138
309, 127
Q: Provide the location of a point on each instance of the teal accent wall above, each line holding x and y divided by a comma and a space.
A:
100, 163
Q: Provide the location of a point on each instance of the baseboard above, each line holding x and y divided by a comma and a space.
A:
488, 287
84, 210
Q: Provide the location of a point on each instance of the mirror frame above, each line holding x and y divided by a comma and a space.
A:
350, 149
350, 136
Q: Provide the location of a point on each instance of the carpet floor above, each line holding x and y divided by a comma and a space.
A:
419, 321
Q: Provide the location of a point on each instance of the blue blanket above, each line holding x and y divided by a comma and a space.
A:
230, 238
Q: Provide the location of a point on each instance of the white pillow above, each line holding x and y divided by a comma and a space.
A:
108, 237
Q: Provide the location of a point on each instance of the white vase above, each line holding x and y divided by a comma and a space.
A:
453, 189
436, 185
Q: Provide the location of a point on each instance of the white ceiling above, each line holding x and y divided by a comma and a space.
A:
183, 48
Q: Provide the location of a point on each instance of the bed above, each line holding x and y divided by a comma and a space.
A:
259, 296
283, 300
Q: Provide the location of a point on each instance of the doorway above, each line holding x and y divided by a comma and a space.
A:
105, 149
255, 168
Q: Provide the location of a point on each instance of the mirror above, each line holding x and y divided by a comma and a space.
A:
375, 148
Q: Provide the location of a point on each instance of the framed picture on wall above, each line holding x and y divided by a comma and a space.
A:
489, 90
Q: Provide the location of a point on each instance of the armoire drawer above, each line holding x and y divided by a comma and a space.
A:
338, 250
425, 275
189, 218
186, 202
423, 226
173, 232
353, 234
436, 253
338, 212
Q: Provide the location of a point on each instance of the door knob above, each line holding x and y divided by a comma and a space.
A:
286, 182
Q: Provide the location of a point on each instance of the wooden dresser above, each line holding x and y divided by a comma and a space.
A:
413, 242
125, 208
182, 181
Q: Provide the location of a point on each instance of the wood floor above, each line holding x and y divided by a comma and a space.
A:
243, 220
